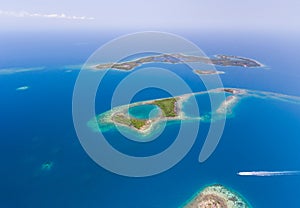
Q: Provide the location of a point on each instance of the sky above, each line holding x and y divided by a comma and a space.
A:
150, 15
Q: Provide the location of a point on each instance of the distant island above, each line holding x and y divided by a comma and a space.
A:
217, 196
177, 58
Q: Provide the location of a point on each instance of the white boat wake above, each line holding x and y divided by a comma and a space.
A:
268, 173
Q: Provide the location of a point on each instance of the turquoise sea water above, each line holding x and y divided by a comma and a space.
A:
144, 111
37, 129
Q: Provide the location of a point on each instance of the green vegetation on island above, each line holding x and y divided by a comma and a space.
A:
129, 121
121, 119
137, 123
168, 106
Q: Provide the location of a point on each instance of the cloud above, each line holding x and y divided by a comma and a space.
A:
53, 16
19, 70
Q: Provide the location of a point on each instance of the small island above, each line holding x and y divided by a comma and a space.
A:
166, 109
207, 72
217, 196
234, 91
177, 58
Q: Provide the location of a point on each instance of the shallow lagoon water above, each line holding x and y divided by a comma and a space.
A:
144, 111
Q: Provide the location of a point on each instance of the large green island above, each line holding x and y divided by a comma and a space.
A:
165, 109
152, 112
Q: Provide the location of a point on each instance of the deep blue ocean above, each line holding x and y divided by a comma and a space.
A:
36, 127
